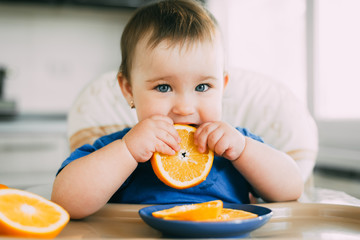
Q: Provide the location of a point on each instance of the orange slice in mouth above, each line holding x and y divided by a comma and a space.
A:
188, 167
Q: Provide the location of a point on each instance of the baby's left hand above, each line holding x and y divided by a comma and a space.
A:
222, 138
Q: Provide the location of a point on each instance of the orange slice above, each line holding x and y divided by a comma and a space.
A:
2, 186
24, 214
212, 211
192, 212
228, 214
188, 167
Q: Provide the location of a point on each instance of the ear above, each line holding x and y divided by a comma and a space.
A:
226, 79
125, 87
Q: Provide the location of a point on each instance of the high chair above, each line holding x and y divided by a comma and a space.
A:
260, 104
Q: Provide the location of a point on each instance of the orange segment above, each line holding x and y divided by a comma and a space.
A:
188, 167
192, 212
2, 186
24, 214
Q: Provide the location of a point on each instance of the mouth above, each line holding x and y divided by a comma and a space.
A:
190, 124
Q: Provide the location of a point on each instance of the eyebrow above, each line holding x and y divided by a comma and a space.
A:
201, 78
208, 78
156, 79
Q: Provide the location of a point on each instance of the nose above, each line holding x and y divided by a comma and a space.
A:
184, 105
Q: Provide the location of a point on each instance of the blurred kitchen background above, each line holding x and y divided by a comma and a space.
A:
50, 49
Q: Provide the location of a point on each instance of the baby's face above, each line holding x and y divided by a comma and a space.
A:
184, 83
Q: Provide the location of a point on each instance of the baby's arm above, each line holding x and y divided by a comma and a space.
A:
85, 185
272, 173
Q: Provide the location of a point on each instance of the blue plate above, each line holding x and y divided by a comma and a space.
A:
236, 228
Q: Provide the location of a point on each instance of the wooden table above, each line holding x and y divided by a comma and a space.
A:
293, 220
318, 214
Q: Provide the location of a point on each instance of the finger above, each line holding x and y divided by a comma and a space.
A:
162, 118
168, 139
167, 124
214, 138
162, 147
202, 137
199, 130
171, 130
202, 129
221, 146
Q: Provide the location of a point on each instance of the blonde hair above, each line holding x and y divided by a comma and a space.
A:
178, 21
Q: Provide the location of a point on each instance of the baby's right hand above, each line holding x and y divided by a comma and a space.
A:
154, 134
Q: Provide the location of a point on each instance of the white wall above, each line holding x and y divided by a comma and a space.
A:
270, 37
266, 36
52, 52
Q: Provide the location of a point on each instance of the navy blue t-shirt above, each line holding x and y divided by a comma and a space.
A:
224, 182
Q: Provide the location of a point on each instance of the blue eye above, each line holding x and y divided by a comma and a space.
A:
163, 88
202, 87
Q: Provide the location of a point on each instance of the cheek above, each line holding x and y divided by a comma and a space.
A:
211, 109
144, 103
148, 108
